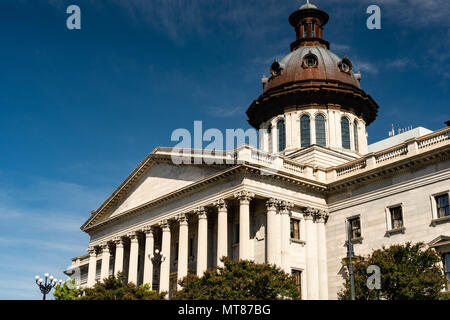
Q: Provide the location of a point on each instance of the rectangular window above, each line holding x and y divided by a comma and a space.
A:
295, 229
313, 29
447, 269
236, 233
442, 205
297, 274
305, 30
396, 217
176, 251
355, 227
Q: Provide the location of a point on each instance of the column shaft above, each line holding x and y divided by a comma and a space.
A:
92, 268
164, 280
322, 258
222, 231
134, 255
244, 224
149, 248
285, 235
312, 276
273, 245
183, 248
104, 273
118, 259
202, 243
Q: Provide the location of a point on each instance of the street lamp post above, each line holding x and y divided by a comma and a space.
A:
157, 258
46, 285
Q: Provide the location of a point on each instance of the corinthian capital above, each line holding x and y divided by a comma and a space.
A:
201, 212
285, 207
321, 216
165, 225
272, 204
244, 196
182, 219
221, 204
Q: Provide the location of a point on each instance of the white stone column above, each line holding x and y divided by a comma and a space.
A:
312, 278
134, 255
104, 271
92, 268
183, 243
202, 243
273, 223
222, 230
244, 198
118, 259
285, 222
322, 255
149, 248
164, 280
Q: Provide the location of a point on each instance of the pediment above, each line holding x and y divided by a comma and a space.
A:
321, 156
439, 241
155, 177
160, 180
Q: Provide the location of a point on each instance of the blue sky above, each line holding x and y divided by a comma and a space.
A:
80, 109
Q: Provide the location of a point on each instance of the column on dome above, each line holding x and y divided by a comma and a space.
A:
134, 255
182, 247
202, 242
92, 268
321, 218
118, 259
312, 276
104, 271
285, 222
273, 225
149, 248
222, 230
164, 281
244, 198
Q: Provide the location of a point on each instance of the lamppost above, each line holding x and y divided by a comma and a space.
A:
157, 258
47, 285
350, 263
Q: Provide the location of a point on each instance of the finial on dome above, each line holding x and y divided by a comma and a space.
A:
308, 5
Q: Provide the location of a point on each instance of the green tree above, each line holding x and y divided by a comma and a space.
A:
407, 272
115, 288
67, 291
239, 280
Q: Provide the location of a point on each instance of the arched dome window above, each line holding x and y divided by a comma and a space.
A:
321, 139
345, 133
355, 135
310, 61
305, 132
281, 135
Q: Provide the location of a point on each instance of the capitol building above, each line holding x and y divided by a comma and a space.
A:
287, 203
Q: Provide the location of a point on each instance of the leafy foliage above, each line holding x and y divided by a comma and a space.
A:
407, 272
239, 280
115, 288
68, 291
111, 288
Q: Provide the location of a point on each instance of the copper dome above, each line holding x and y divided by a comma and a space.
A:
311, 75
292, 68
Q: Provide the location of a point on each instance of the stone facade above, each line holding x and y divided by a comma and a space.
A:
286, 204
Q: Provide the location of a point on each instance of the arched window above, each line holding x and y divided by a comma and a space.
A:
345, 133
355, 135
321, 139
305, 132
269, 138
281, 135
